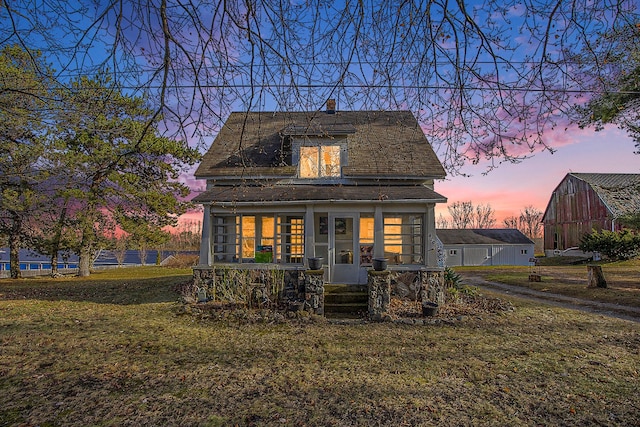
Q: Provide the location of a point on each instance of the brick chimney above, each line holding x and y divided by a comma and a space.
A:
331, 106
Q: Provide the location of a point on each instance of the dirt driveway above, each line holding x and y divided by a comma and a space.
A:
606, 309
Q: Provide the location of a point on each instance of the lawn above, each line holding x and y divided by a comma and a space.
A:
623, 280
112, 350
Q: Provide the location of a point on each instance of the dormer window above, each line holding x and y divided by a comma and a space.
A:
321, 161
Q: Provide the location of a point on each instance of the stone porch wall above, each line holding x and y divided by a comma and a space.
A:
279, 287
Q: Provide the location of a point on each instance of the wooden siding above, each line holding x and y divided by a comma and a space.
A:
575, 209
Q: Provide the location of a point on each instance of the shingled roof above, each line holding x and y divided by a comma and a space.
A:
484, 236
620, 192
380, 144
298, 193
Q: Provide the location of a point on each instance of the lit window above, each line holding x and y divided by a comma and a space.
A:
366, 239
247, 230
403, 243
320, 161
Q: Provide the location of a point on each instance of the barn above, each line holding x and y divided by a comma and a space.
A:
492, 246
583, 202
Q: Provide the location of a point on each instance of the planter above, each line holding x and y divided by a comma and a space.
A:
296, 306
379, 264
429, 308
315, 263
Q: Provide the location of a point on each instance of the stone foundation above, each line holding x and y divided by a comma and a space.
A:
314, 291
422, 285
278, 287
379, 284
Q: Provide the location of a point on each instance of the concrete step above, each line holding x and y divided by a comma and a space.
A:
343, 300
347, 298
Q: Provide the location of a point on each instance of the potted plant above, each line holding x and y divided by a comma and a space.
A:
379, 264
429, 308
315, 263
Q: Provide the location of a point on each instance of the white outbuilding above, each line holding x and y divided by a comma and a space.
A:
492, 246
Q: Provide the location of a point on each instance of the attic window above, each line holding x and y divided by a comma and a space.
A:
320, 161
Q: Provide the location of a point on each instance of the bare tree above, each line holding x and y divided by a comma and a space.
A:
529, 222
511, 222
485, 80
462, 214
484, 216
442, 222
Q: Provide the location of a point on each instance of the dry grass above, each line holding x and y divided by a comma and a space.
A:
112, 351
623, 280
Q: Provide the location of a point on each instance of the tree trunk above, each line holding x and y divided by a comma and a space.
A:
84, 261
596, 276
56, 241
14, 256
54, 264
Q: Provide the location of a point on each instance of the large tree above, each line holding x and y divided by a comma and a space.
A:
485, 79
24, 147
617, 92
122, 172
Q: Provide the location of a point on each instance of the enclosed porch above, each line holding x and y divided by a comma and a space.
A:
344, 239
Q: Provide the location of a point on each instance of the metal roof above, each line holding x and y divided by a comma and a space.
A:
620, 192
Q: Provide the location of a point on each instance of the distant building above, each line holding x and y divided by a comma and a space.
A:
586, 201
491, 246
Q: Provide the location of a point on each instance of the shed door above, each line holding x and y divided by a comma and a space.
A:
476, 256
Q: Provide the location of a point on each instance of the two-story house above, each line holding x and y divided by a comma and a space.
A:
344, 186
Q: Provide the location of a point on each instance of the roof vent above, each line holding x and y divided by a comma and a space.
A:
331, 106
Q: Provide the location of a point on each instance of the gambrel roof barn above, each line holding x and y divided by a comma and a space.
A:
586, 201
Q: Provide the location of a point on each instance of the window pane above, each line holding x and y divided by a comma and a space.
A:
366, 239
267, 230
309, 162
248, 236
330, 162
403, 242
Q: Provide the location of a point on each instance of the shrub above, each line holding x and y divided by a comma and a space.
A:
620, 245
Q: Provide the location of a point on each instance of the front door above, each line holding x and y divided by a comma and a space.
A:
343, 241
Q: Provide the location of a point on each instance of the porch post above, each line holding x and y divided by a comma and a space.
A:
206, 257
309, 233
378, 233
430, 247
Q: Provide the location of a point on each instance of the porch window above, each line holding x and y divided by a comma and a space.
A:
366, 239
403, 239
246, 236
290, 239
258, 238
319, 161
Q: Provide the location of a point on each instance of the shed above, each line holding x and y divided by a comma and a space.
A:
493, 246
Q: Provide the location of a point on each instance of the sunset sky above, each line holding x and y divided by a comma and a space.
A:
510, 187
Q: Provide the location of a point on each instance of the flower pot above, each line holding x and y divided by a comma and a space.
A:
315, 263
379, 264
429, 308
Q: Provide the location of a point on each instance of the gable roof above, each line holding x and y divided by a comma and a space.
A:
380, 144
484, 236
620, 192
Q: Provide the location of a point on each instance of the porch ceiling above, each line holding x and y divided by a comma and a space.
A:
304, 193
